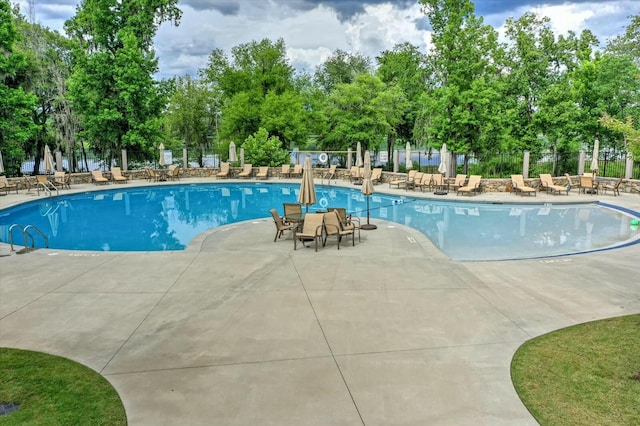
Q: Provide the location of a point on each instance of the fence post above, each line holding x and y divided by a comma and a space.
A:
628, 168
59, 161
581, 158
396, 159
124, 160
525, 165
184, 158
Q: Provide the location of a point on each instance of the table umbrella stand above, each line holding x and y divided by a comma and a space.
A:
368, 226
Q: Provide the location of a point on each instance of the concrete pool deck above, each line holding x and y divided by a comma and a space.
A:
239, 330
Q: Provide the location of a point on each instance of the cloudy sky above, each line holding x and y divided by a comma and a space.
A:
313, 29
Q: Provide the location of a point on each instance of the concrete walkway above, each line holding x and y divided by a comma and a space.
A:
238, 330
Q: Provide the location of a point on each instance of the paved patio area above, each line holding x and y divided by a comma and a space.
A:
238, 330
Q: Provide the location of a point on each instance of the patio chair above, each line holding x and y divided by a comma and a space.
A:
570, 183
354, 174
285, 171
263, 173
173, 172
61, 180
246, 171
311, 230
333, 227
292, 212
280, 225
425, 182
347, 220
116, 175
297, 171
413, 183
438, 182
518, 186
7, 186
459, 181
330, 173
43, 182
224, 171
472, 187
615, 188
97, 178
376, 175
547, 183
588, 185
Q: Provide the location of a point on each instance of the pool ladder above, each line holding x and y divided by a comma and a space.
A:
25, 234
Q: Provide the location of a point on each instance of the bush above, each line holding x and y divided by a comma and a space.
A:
262, 150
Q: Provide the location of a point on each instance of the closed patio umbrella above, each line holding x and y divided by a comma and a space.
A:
359, 155
367, 188
444, 166
307, 195
1, 163
233, 156
161, 149
407, 161
48, 160
594, 159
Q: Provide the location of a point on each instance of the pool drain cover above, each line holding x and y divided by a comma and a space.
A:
7, 408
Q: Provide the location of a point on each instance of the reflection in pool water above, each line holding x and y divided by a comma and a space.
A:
169, 217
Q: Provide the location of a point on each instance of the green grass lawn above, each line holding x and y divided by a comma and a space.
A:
588, 374
55, 391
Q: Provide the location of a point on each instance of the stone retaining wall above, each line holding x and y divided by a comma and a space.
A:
488, 185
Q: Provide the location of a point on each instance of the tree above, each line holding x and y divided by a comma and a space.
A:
341, 68
627, 44
112, 85
191, 114
626, 127
16, 105
363, 111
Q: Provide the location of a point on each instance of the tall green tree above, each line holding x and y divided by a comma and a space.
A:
112, 85
627, 44
16, 105
341, 68
191, 114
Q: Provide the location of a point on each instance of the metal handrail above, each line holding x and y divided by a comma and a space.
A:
25, 234
26, 229
46, 189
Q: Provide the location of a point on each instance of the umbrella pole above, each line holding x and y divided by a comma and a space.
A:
368, 226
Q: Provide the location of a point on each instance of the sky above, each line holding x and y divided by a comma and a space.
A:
313, 29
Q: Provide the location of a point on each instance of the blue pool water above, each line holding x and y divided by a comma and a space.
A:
169, 217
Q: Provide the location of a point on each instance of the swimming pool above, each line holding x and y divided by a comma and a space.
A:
168, 217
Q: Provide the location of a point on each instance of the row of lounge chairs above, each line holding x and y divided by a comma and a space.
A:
317, 227
357, 174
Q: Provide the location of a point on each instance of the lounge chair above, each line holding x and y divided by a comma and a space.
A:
376, 175
297, 171
472, 187
459, 181
518, 186
587, 184
280, 225
263, 172
7, 186
403, 181
570, 183
224, 171
116, 175
615, 188
347, 220
61, 180
547, 183
333, 227
246, 171
330, 173
285, 171
311, 229
98, 179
